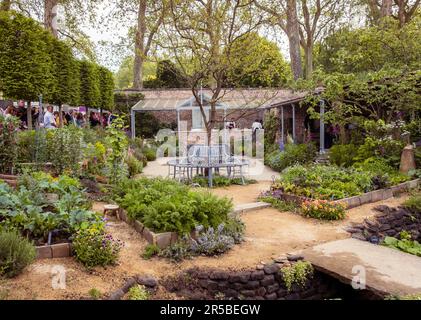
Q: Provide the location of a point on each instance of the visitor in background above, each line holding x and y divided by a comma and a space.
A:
68, 117
257, 125
80, 121
93, 119
49, 120
111, 118
35, 116
72, 117
10, 112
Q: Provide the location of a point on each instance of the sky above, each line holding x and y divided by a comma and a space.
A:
110, 56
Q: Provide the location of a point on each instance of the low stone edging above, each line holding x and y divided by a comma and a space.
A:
162, 240
356, 201
379, 195
61, 250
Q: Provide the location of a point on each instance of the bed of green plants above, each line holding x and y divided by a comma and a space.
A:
404, 243
29, 211
293, 154
333, 182
221, 181
164, 205
33, 214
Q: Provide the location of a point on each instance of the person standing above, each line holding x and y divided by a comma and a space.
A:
49, 120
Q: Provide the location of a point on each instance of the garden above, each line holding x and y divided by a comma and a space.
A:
87, 200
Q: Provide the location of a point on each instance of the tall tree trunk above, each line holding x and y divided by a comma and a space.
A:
50, 16
401, 13
29, 116
386, 8
309, 59
6, 5
293, 33
140, 46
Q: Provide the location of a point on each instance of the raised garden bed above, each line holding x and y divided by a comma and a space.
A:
162, 240
61, 250
353, 202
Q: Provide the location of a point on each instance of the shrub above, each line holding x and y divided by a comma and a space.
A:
212, 241
413, 203
16, 253
323, 210
277, 203
167, 206
8, 152
135, 166
404, 244
150, 251
95, 294
138, 292
95, 248
293, 154
178, 251
297, 274
343, 154
150, 154
65, 149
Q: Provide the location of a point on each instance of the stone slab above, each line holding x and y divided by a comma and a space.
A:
247, 207
387, 271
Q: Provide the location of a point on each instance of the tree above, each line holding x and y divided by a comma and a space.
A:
258, 61
90, 94
372, 48
106, 85
145, 34
25, 65
305, 22
5, 5
168, 75
200, 37
401, 10
66, 26
285, 15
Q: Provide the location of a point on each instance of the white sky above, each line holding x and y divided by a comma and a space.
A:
110, 56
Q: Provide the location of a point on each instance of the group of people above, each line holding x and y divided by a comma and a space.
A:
51, 119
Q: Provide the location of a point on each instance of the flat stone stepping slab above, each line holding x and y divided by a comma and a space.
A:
247, 207
387, 271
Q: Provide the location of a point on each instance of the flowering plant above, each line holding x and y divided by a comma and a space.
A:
94, 247
323, 210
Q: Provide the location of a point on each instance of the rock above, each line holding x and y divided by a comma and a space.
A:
407, 159
248, 293
147, 281
252, 285
231, 293
271, 296
240, 277
261, 292
268, 280
382, 208
257, 275
281, 293
129, 283
271, 268
272, 288
116, 295
260, 267
295, 257
219, 275
281, 259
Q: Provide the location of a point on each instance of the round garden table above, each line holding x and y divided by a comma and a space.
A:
184, 168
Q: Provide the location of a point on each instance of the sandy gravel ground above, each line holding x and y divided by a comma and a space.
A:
269, 233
